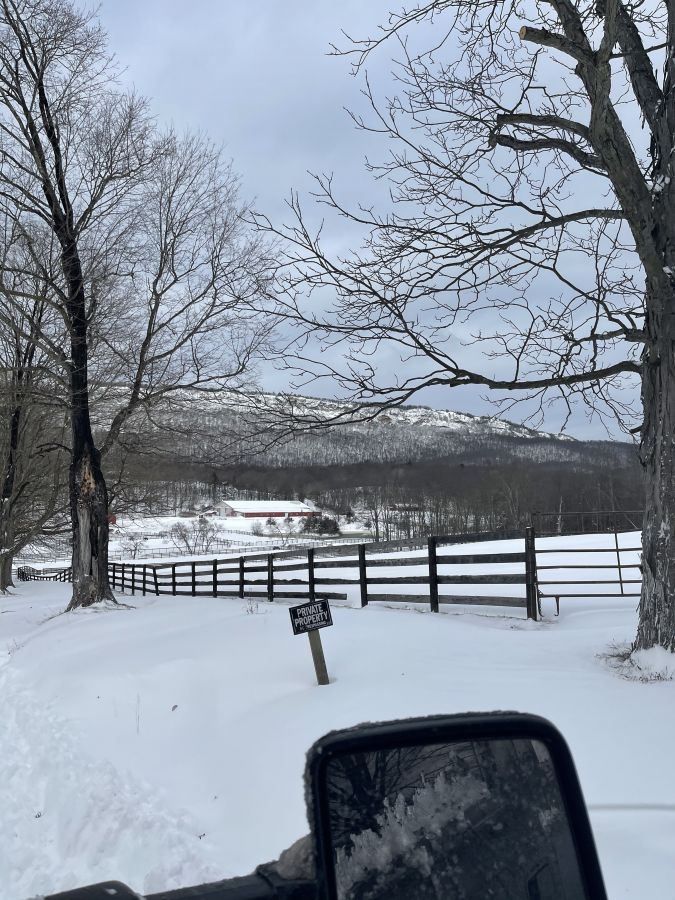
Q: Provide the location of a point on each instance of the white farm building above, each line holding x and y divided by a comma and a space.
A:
263, 509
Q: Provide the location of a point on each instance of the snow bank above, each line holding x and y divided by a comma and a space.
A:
69, 819
654, 664
164, 745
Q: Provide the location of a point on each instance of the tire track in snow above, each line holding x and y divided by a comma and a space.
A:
68, 820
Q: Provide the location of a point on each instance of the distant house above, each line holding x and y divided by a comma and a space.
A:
264, 509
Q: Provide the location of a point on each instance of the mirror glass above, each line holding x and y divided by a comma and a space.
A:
481, 819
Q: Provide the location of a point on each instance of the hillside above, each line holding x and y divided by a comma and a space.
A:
280, 430
409, 471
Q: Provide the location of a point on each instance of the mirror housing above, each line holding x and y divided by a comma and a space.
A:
450, 806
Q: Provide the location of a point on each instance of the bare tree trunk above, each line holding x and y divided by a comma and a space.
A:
88, 493
89, 509
6, 580
7, 558
6, 498
6, 539
656, 625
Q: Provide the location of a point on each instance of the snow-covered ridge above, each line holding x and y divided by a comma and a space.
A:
319, 409
424, 416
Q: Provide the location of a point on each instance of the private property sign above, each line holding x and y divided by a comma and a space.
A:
307, 619
310, 616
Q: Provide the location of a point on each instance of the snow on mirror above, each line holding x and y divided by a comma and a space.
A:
480, 819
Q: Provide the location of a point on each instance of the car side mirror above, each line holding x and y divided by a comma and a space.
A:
472, 806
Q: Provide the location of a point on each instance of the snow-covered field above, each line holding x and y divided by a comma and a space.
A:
148, 537
164, 745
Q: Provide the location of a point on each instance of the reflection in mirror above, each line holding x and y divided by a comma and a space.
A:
480, 819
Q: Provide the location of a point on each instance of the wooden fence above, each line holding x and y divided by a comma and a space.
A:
326, 571
28, 573
312, 574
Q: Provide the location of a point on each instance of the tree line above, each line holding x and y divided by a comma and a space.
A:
413, 499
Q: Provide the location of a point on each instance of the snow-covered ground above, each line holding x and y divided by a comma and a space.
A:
148, 537
164, 745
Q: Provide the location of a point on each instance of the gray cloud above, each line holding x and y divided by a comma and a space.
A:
258, 79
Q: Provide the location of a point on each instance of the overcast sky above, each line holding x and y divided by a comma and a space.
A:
258, 78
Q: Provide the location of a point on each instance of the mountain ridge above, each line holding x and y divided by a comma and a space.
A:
320, 410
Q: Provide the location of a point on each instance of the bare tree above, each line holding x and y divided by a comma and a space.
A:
198, 537
33, 477
530, 217
151, 270
197, 273
32, 421
282, 530
72, 151
133, 544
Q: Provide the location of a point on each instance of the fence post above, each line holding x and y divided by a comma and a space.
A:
310, 575
618, 557
114, 573
433, 574
215, 577
173, 579
194, 579
242, 576
123, 575
530, 574
363, 576
133, 578
154, 572
144, 574
270, 578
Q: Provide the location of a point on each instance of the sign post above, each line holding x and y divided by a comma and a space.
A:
318, 658
307, 619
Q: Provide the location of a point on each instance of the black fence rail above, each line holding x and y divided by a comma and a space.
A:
329, 572
243, 576
435, 579
28, 573
326, 572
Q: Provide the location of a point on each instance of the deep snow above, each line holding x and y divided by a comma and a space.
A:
164, 745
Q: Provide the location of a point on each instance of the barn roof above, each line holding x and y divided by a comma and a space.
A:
264, 507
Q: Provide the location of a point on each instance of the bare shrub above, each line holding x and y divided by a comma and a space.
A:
198, 537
